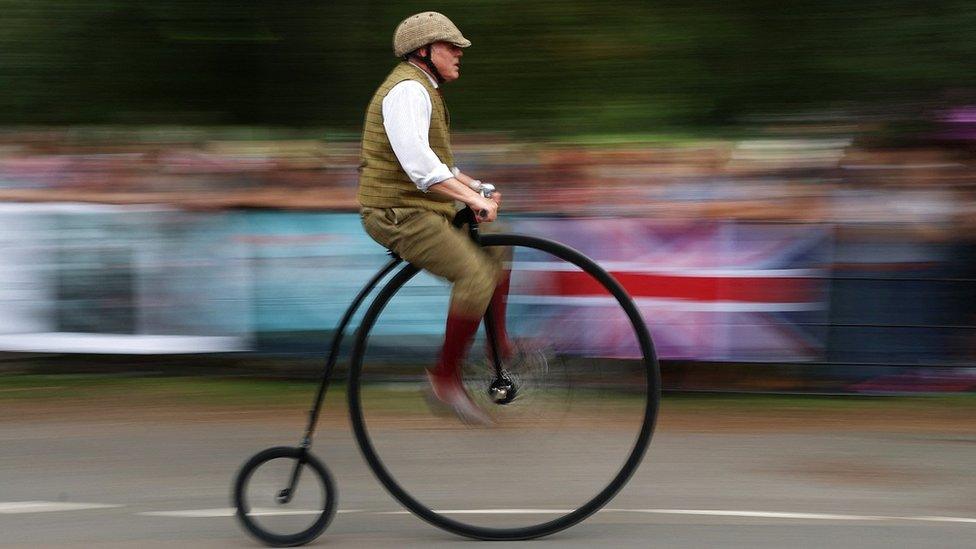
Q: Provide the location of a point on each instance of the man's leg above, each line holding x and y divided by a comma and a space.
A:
445, 376
470, 294
498, 309
429, 241
501, 256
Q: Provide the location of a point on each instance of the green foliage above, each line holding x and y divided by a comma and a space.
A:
549, 68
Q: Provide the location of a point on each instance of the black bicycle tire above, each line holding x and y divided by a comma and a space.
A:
290, 540
560, 523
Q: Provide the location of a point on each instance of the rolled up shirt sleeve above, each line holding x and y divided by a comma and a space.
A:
406, 118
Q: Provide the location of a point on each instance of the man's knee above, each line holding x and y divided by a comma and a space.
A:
473, 291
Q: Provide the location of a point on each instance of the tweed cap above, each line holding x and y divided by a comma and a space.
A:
426, 28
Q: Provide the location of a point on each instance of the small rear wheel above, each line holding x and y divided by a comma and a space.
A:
285, 496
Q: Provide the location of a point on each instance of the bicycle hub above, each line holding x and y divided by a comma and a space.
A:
502, 391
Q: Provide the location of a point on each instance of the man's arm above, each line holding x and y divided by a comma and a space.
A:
467, 180
476, 185
486, 210
406, 119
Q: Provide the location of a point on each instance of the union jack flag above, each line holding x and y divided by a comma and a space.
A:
707, 291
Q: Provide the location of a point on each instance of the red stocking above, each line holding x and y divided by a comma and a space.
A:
458, 334
499, 303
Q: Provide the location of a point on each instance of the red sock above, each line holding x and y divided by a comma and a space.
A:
499, 304
458, 334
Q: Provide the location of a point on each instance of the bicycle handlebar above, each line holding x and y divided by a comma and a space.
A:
464, 216
486, 190
467, 216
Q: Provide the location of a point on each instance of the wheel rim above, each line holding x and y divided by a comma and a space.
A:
544, 524
259, 509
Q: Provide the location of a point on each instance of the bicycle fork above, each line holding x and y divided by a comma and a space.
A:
285, 495
502, 390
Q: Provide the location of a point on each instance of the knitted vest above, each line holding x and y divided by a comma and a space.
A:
382, 181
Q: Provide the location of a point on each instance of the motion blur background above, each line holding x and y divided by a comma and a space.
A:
789, 186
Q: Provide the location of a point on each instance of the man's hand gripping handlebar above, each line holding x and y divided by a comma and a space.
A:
486, 190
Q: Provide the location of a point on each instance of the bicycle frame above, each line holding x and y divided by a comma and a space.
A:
313, 415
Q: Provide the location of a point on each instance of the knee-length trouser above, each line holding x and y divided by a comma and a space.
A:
428, 240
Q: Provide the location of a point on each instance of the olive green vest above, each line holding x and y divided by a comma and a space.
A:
382, 181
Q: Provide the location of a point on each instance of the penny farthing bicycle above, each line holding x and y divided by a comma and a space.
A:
573, 406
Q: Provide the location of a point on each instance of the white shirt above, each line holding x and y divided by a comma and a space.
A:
406, 117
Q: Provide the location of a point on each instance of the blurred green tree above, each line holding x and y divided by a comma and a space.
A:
544, 68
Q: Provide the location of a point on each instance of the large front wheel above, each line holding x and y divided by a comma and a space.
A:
586, 392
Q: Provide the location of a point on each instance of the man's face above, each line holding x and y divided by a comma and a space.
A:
447, 59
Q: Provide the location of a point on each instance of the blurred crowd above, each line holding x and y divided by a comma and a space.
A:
920, 192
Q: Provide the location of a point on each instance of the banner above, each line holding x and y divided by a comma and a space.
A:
707, 291
152, 279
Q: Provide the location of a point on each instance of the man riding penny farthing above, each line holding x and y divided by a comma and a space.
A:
408, 187
548, 419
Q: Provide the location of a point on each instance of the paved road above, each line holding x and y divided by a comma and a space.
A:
162, 479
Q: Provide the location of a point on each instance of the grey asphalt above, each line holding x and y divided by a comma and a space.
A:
867, 488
